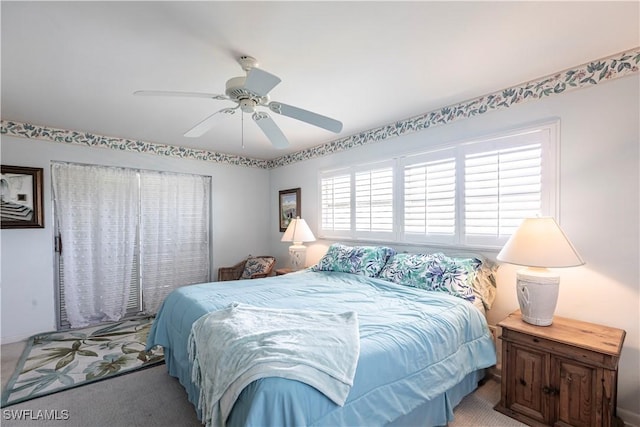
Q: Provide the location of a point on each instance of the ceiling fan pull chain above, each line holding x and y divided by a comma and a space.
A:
242, 129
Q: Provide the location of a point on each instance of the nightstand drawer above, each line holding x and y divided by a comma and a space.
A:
568, 351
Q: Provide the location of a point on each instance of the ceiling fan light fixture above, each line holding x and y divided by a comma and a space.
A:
248, 105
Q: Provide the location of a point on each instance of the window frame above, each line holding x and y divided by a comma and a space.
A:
546, 133
548, 174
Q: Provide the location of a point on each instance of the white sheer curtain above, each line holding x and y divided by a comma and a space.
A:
97, 215
175, 233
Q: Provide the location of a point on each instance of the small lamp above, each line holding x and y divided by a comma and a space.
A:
297, 232
539, 244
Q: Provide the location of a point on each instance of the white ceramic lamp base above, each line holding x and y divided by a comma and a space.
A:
537, 295
297, 255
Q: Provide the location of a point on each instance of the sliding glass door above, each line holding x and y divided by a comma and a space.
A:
125, 238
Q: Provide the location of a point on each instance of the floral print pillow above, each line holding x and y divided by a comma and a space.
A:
364, 260
256, 265
407, 269
452, 275
433, 272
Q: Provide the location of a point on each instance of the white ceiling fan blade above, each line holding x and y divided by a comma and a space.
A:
182, 94
202, 127
270, 129
260, 82
306, 116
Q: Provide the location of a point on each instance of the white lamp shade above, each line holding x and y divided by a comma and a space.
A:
298, 231
539, 242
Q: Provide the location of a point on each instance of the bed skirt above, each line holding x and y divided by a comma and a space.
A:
435, 412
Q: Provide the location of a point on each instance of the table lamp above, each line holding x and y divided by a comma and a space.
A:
297, 232
539, 244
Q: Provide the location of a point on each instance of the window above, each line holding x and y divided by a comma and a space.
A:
473, 193
335, 203
506, 179
430, 197
125, 239
358, 202
501, 188
373, 189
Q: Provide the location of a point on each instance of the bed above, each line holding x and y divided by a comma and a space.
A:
424, 343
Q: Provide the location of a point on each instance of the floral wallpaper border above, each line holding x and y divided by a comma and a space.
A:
586, 75
31, 131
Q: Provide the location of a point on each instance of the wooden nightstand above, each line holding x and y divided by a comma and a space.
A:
283, 271
564, 374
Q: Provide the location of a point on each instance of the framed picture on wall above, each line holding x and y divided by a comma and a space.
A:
21, 196
289, 206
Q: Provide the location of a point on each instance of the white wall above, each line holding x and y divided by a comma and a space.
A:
599, 206
240, 197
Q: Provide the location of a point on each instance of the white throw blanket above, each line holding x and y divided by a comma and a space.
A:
232, 347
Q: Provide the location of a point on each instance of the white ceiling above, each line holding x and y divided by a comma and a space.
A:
75, 65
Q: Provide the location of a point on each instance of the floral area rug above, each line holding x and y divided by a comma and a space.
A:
57, 361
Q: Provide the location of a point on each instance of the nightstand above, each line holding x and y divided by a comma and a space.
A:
564, 374
283, 271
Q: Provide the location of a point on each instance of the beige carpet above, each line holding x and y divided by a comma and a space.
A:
152, 398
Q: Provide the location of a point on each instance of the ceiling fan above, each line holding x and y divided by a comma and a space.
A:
250, 92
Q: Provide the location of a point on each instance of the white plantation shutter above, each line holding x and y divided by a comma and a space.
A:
374, 201
471, 193
430, 200
335, 204
507, 179
502, 187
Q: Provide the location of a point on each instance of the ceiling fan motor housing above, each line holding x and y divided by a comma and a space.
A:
247, 99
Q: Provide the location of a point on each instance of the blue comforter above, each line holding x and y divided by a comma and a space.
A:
414, 345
